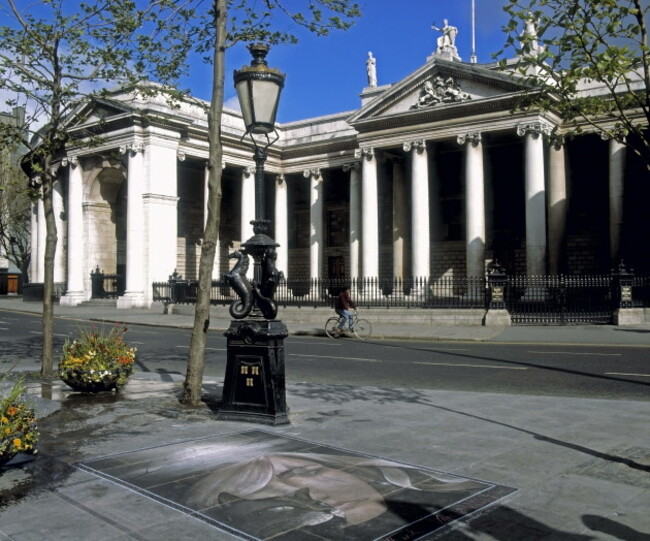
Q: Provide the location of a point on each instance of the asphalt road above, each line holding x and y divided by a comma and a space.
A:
613, 372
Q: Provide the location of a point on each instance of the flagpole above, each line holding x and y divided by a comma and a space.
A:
473, 57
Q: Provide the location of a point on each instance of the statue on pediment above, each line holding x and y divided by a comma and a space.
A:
529, 43
446, 43
440, 91
371, 68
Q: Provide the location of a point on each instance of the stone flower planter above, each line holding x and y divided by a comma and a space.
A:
18, 432
95, 381
97, 360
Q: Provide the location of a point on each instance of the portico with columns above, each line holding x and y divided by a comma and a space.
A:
412, 184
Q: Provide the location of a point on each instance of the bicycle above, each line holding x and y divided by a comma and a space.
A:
361, 328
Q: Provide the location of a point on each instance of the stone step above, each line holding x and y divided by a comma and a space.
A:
106, 303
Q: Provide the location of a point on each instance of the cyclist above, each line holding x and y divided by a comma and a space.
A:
344, 306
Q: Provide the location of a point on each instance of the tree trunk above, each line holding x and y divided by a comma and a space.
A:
196, 362
48, 280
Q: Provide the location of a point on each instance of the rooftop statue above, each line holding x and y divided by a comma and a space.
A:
371, 68
447, 41
529, 33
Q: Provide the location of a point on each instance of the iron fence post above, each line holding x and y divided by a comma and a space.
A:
622, 282
97, 283
173, 292
497, 313
625, 313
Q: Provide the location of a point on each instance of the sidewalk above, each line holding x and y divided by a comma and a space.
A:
386, 324
581, 467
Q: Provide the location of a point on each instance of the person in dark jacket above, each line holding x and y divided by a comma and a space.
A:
344, 306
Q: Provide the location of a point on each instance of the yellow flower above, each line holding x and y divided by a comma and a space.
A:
7, 431
17, 443
4, 420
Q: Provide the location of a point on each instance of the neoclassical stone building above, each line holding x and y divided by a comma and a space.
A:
433, 175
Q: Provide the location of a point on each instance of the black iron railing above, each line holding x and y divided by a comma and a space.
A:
556, 300
444, 292
562, 299
640, 291
106, 286
34, 291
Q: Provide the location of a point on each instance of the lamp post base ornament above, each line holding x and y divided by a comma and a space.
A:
254, 386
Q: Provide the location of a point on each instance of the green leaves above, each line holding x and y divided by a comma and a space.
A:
593, 66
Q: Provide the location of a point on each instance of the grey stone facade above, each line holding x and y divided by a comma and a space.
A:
142, 190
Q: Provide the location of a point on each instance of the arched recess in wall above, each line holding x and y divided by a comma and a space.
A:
105, 217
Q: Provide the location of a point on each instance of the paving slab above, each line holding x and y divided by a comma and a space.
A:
580, 466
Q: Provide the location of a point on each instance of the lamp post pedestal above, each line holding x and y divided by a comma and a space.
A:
254, 387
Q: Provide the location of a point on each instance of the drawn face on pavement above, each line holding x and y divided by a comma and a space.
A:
315, 488
311, 484
348, 495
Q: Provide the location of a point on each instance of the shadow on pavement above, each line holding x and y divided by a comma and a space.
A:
613, 528
340, 394
505, 524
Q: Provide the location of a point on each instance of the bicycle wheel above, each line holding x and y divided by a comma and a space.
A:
363, 329
331, 327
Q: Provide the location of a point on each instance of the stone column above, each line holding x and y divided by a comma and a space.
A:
248, 209
282, 225
33, 264
535, 196
355, 217
369, 214
42, 234
557, 206
420, 231
616, 176
135, 252
76, 256
247, 203
400, 219
474, 204
206, 190
160, 207
59, 255
316, 236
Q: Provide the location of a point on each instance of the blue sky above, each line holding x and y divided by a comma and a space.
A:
326, 75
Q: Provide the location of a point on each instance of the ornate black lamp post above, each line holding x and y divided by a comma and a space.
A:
254, 388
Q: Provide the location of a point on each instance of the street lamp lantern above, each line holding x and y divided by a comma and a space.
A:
253, 388
258, 89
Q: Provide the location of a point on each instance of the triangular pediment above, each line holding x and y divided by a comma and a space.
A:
438, 84
98, 110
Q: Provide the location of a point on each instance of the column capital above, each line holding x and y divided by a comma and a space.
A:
249, 170
280, 180
473, 138
535, 129
556, 140
367, 153
131, 149
180, 155
618, 132
71, 161
419, 145
352, 166
311, 173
